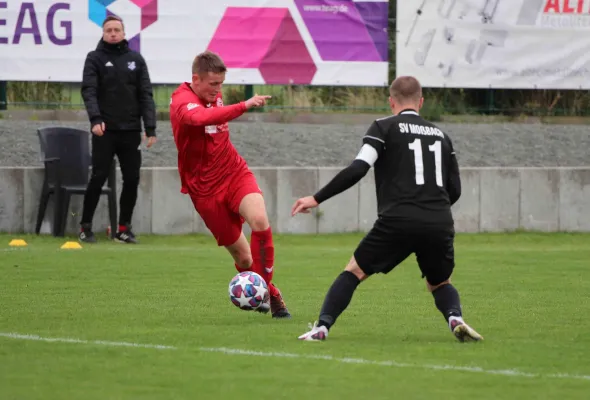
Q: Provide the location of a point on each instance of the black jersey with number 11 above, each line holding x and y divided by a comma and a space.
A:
416, 172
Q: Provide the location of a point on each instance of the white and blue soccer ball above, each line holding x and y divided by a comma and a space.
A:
248, 290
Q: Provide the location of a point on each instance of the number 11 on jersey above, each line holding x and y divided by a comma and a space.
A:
416, 147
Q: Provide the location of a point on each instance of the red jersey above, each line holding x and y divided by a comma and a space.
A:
206, 156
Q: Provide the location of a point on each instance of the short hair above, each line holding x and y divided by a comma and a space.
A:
405, 88
113, 18
207, 62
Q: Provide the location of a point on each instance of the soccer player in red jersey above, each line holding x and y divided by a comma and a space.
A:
221, 186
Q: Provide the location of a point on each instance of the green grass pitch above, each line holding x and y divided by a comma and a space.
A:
527, 294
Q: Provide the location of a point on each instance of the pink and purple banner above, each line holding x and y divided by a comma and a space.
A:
271, 40
346, 30
308, 42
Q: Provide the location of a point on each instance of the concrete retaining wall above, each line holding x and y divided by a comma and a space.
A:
493, 200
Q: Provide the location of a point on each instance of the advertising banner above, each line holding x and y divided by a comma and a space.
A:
521, 44
310, 42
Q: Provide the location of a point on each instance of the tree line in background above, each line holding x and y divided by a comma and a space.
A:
439, 102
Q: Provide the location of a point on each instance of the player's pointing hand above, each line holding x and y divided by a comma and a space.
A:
257, 101
303, 205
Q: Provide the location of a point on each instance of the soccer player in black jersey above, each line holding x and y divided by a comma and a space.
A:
417, 180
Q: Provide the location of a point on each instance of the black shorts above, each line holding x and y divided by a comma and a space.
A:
389, 243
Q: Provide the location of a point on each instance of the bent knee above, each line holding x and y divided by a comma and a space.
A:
432, 288
259, 222
244, 262
241, 255
242, 259
354, 268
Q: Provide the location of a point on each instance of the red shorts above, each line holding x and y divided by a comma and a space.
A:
221, 211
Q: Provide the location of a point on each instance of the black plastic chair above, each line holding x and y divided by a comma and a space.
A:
67, 159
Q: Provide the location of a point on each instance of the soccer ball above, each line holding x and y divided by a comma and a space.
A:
248, 290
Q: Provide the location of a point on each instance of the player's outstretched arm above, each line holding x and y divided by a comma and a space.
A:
349, 176
343, 181
195, 114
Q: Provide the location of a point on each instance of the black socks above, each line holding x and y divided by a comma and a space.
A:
340, 293
447, 301
338, 298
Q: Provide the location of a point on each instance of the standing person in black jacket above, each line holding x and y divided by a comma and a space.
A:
117, 93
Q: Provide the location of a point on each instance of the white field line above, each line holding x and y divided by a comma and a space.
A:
82, 341
240, 352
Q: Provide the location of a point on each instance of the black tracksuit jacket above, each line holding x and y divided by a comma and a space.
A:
117, 90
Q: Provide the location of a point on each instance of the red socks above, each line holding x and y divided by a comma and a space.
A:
263, 257
263, 254
122, 228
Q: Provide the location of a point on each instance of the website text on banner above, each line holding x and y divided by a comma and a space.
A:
307, 42
520, 44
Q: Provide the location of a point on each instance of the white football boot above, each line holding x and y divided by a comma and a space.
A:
462, 331
316, 334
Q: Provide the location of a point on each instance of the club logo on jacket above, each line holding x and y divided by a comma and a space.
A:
131, 65
221, 128
214, 129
